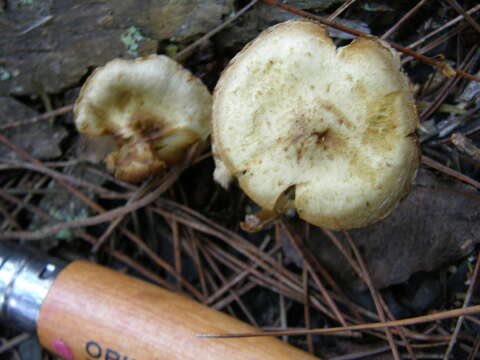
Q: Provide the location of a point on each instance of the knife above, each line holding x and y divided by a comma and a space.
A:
84, 311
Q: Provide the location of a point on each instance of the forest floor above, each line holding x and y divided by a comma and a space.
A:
422, 260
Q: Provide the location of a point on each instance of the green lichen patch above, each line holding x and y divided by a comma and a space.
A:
64, 216
131, 38
4, 74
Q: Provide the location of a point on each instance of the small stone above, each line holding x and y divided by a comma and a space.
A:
41, 140
56, 55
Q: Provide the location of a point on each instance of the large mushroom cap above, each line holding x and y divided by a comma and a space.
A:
302, 124
153, 107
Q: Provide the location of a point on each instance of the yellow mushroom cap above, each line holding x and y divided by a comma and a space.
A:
327, 131
153, 107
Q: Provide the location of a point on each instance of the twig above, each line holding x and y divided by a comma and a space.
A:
375, 296
293, 291
462, 12
283, 311
318, 268
435, 43
80, 195
177, 249
341, 9
132, 264
91, 240
237, 242
233, 292
361, 274
443, 27
465, 145
475, 349
197, 221
221, 304
446, 70
9, 219
306, 309
473, 320
193, 241
471, 310
469, 61
135, 197
362, 354
446, 170
98, 219
187, 51
403, 19
238, 277
44, 116
466, 302
27, 198
109, 177
44, 169
14, 342
36, 24
294, 240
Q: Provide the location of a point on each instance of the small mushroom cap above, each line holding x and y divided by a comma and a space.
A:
327, 131
152, 107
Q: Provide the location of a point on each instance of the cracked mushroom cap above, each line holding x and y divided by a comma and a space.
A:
327, 131
153, 109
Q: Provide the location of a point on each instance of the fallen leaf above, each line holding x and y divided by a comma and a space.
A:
436, 225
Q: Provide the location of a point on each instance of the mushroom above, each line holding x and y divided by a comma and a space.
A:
329, 132
153, 109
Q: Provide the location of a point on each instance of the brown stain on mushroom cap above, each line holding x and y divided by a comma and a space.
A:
146, 127
292, 111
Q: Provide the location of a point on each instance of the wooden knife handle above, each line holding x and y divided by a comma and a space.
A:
92, 312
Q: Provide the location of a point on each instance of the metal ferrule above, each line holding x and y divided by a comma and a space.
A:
25, 279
